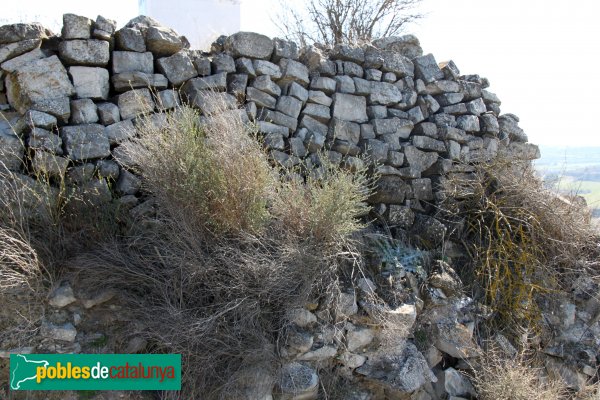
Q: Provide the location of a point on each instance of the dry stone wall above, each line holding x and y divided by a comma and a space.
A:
69, 101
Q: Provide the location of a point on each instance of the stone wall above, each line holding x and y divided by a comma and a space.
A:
70, 100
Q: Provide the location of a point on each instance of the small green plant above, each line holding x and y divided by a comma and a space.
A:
396, 255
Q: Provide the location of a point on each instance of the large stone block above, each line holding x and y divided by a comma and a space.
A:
249, 44
85, 142
12, 50
90, 82
76, 27
130, 39
390, 189
350, 108
163, 41
36, 82
178, 68
427, 69
129, 61
84, 52
135, 102
18, 32
11, 151
83, 111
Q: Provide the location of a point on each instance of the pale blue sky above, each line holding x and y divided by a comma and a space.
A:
541, 57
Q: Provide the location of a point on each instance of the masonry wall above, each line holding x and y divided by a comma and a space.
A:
71, 100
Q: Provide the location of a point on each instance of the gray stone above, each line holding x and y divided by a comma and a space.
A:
375, 75
489, 124
28, 84
447, 99
348, 53
523, 151
456, 109
457, 384
468, 123
345, 148
84, 52
345, 84
237, 84
163, 41
265, 84
509, 125
44, 163
377, 112
297, 148
108, 113
211, 102
274, 141
401, 127
83, 142
418, 159
471, 90
289, 106
427, 129
427, 143
12, 50
83, 111
65, 333
223, 63
297, 91
244, 66
261, 98
194, 86
350, 108
415, 114
395, 158
422, 189
298, 381
178, 68
450, 70
451, 133
34, 118
269, 127
284, 49
401, 216
427, 69
318, 97
132, 80
130, 39
120, 131
357, 338
384, 93
60, 107
319, 112
390, 190
129, 61
432, 231
314, 140
443, 86
323, 84
14, 63
135, 102
393, 139
407, 45
278, 118
90, 82
352, 69
62, 296
76, 27
11, 151
293, 71
263, 67
476, 107
344, 130
18, 32
104, 28
428, 103
107, 169
41, 139
397, 64
127, 183
249, 44
376, 149
401, 369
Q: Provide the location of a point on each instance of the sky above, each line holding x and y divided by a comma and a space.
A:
541, 57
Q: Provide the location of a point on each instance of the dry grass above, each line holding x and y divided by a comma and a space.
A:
499, 378
524, 240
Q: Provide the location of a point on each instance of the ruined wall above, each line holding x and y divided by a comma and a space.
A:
69, 101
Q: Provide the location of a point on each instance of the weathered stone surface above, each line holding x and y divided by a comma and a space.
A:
178, 68
407, 45
83, 111
469, 123
324, 84
284, 49
130, 39
429, 144
427, 69
455, 340
249, 44
298, 381
84, 142
318, 112
523, 151
84, 52
509, 125
390, 190
59, 107
418, 159
263, 67
278, 118
352, 69
108, 113
289, 105
129, 61
14, 63
62, 296
265, 84
476, 107
12, 50
345, 84
18, 32
447, 99
127, 183
90, 82
384, 93
401, 127
293, 71
49, 164
120, 131
297, 91
12, 151
347, 53
344, 130
216, 82
103, 28
37, 81
213, 102
349, 108
135, 102
163, 41
318, 97
132, 80
223, 63
261, 98
65, 333
357, 338
42, 139
76, 27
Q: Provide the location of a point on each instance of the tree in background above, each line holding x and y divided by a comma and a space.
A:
334, 22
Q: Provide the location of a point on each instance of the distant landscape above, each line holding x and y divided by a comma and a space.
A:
573, 170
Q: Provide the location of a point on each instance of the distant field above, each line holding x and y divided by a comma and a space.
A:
590, 190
